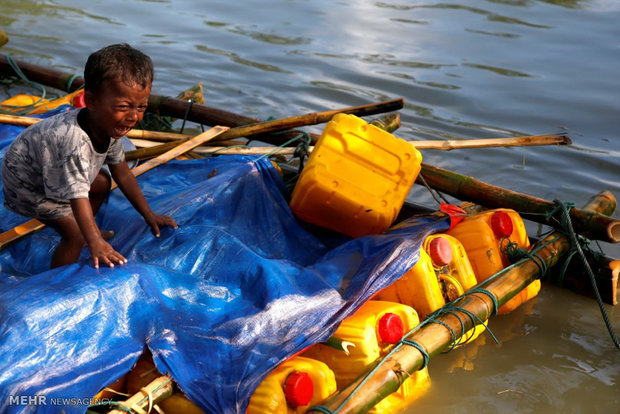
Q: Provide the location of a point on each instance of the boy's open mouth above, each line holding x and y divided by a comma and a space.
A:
120, 131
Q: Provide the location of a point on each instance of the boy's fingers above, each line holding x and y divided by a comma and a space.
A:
155, 229
96, 262
120, 259
171, 222
108, 261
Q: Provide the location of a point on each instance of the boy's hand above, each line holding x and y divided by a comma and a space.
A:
102, 252
156, 220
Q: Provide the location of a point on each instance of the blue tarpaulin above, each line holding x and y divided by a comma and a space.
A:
239, 287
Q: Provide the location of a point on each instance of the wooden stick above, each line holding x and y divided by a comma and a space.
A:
448, 145
263, 127
19, 232
436, 337
437, 145
593, 225
154, 392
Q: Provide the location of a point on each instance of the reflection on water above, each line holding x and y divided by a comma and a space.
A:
489, 68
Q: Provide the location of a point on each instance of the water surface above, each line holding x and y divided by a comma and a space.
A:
473, 69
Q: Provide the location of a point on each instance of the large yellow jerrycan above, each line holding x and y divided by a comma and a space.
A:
454, 271
418, 287
293, 387
356, 178
372, 331
484, 237
451, 264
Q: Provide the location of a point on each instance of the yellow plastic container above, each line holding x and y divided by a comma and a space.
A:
293, 387
42, 105
418, 288
373, 330
458, 267
484, 236
356, 178
177, 403
483, 244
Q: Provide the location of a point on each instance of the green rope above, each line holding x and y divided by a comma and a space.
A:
187, 109
420, 348
303, 136
70, 81
575, 243
515, 253
321, 409
123, 407
482, 290
434, 194
23, 109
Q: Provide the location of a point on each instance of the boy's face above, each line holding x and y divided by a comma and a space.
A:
115, 108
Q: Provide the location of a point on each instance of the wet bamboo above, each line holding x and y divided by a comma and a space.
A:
154, 392
593, 225
606, 271
151, 149
157, 103
436, 337
270, 126
168, 106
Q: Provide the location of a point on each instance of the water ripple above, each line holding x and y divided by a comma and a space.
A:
242, 61
499, 71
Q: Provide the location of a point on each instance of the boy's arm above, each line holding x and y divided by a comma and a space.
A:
100, 250
128, 184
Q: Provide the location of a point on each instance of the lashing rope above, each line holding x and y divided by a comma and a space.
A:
567, 225
23, 109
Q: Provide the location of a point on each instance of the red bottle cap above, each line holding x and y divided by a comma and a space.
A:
78, 100
501, 224
390, 328
298, 389
440, 251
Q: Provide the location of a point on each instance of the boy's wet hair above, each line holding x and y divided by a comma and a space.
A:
119, 61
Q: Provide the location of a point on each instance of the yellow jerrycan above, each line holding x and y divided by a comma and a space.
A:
484, 236
371, 332
356, 178
293, 387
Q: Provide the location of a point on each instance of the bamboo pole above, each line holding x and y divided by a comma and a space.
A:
19, 232
606, 271
436, 337
166, 105
390, 122
434, 144
157, 103
593, 225
258, 128
154, 392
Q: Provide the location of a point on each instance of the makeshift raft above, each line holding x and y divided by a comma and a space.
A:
225, 302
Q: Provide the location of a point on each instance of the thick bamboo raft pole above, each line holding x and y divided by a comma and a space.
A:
436, 337
159, 104
142, 402
591, 224
175, 107
17, 233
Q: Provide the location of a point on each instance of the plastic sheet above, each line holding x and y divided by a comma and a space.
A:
239, 287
